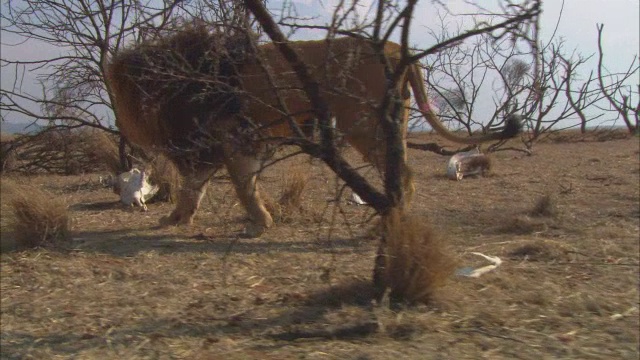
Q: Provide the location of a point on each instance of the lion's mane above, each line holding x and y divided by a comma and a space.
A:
173, 88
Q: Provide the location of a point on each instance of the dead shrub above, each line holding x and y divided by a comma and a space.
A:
523, 224
481, 162
103, 148
540, 218
290, 202
39, 218
66, 151
8, 156
165, 174
403, 326
542, 250
417, 262
291, 198
546, 205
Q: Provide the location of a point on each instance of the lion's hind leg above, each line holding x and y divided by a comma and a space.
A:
189, 197
243, 170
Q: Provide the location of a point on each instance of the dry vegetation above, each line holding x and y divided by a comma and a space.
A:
82, 151
417, 262
62, 151
37, 219
565, 222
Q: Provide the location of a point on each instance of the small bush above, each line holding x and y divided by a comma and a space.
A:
523, 224
104, 150
417, 262
482, 162
542, 250
546, 205
291, 197
290, 202
39, 219
165, 174
65, 151
8, 157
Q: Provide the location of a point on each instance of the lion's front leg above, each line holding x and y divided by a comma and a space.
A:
189, 197
243, 170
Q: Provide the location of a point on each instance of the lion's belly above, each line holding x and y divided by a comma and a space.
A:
354, 107
352, 82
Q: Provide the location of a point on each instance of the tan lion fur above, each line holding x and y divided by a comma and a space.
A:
158, 111
161, 85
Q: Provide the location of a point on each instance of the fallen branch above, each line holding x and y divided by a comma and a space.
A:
433, 147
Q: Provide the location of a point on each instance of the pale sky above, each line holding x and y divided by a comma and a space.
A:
577, 27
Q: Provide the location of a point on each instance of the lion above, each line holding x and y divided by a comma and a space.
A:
202, 127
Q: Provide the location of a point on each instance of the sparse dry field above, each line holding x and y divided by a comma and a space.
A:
126, 289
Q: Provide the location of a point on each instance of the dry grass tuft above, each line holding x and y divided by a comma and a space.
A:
402, 326
542, 250
523, 224
39, 219
547, 206
103, 147
293, 189
540, 218
483, 162
290, 202
354, 292
417, 262
165, 174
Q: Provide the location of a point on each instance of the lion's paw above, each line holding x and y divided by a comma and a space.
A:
176, 219
253, 230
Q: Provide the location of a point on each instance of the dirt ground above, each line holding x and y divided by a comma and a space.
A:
568, 287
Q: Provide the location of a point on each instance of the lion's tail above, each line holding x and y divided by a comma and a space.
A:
416, 81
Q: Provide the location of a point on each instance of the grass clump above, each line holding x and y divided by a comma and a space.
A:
546, 205
103, 148
481, 163
543, 215
165, 174
290, 202
523, 224
417, 261
39, 219
291, 197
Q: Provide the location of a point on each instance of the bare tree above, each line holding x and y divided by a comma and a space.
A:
458, 77
390, 108
616, 93
92, 30
550, 93
582, 98
84, 34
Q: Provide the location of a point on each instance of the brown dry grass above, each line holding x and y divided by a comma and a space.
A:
130, 290
289, 206
292, 195
165, 174
543, 215
483, 162
102, 147
417, 261
65, 151
546, 205
39, 219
